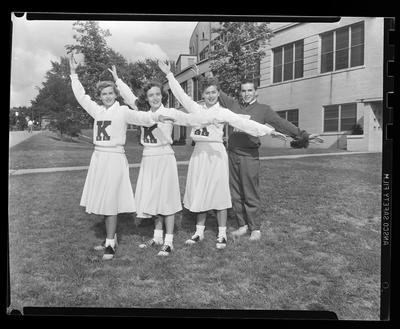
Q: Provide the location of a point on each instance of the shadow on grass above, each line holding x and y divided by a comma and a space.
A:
128, 225
68, 140
185, 220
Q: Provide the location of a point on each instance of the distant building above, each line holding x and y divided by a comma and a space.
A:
323, 77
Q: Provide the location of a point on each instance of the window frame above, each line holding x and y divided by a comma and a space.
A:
286, 115
349, 47
339, 118
293, 49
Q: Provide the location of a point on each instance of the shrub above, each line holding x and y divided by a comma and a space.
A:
357, 129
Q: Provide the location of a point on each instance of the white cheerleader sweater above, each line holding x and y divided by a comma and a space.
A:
157, 139
214, 133
110, 124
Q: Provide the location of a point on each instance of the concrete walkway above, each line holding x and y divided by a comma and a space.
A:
16, 137
13, 172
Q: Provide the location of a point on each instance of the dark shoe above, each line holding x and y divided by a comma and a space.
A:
109, 253
165, 250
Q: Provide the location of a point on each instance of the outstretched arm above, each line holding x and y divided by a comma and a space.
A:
84, 100
282, 125
124, 90
188, 119
189, 104
301, 138
247, 125
148, 118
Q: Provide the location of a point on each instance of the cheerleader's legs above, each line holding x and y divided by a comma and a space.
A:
111, 226
222, 216
201, 219
169, 222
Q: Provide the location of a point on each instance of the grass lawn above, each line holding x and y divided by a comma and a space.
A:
320, 248
46, 150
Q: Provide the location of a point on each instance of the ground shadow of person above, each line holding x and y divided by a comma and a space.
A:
128, 224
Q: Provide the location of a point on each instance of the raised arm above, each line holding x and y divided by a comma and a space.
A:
84, 100
226, 100
188, 103
124, 90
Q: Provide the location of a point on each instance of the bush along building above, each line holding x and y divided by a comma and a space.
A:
326, 78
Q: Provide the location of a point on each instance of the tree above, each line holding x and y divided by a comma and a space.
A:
98, 57
143, 71
18, 121
237, 51
55, 98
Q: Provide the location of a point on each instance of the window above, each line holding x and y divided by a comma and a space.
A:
203, 54
182, 132
257, 73
171, 99
342, 48
184, 86
340, 117
288, 61
290, 115
196, 89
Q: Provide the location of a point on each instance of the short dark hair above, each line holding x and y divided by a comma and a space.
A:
142, 103
248, 80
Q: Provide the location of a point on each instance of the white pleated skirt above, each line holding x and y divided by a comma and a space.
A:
157, 188
207, 184
108, 190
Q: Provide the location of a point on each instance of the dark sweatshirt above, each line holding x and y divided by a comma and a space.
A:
245, 144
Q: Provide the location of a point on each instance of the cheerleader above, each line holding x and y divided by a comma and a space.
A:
108, 190
157, 188
207, 185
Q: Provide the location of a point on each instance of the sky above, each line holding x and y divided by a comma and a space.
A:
36, 43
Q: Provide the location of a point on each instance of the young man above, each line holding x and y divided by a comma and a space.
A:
243, 152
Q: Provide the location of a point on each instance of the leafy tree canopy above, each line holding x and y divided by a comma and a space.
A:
236, 52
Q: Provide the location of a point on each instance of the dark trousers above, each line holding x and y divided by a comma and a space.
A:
244, 183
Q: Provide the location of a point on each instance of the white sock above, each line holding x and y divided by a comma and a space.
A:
110, 242
222, 231
168, 239
158, 235
200, 230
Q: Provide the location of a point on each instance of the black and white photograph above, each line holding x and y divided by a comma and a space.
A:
199, 165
